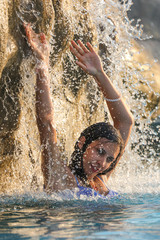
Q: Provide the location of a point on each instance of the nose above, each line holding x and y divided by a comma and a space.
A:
102, 162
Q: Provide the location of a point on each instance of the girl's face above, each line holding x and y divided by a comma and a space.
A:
98, 157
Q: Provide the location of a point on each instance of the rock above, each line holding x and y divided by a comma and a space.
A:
148, 12
19, 138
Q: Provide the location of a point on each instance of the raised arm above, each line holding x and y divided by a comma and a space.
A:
90, 62
53, 167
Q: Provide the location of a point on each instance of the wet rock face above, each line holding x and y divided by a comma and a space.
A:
3, 32
19, 142
148, 12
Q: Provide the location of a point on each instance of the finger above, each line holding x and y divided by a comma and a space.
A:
28, 33
82, 46
90, 47
42, 38
76, 53
81, 65
77, 47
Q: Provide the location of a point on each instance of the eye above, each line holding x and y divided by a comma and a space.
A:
101, 151
109, 159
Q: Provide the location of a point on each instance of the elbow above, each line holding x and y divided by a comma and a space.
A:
45, 119
46, 124
130, 120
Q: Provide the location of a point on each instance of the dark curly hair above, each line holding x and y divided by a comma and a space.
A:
92, 133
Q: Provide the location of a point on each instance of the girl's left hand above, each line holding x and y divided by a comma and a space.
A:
88, 59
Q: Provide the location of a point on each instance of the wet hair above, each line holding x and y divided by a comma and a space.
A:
92, 133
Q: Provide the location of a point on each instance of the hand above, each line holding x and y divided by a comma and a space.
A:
88, 59
38, 44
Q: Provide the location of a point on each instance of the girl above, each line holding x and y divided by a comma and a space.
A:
99, 147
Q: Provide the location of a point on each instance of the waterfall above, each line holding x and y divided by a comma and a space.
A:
76, 98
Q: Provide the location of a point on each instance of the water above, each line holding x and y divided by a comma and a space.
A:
136, 214
76, 98
132, 216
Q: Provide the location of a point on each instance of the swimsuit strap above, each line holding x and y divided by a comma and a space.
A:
77, 182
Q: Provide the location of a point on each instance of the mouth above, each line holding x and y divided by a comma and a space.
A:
94, 168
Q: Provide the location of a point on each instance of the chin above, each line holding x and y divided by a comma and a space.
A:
91, 176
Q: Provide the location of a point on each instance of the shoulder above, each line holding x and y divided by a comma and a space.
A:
99, 185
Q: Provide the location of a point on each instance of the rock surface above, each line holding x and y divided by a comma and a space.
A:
77, 100
148, 12
19, 138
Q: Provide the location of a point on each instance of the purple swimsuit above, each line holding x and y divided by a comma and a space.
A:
89, 192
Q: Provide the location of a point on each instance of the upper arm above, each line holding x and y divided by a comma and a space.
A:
57, 176
125, 130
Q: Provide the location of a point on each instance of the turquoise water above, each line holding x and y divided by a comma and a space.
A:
40, 217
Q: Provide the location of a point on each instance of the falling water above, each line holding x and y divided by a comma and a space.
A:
76, 98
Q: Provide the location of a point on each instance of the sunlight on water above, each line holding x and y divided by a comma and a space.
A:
26, 211
40, 216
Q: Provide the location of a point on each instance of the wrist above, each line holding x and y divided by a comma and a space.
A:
99, 73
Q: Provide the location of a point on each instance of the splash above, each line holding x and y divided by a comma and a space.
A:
77, 100
134, 75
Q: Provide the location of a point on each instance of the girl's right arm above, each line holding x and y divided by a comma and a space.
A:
90, 62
